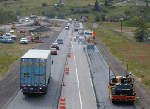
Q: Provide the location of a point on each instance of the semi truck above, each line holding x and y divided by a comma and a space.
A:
35, 71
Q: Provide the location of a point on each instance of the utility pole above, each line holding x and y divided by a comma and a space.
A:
121, 19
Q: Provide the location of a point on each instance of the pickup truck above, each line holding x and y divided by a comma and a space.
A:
7, 40
8, 35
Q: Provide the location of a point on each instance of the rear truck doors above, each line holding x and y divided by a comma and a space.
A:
33, 71
27, 72
40, 71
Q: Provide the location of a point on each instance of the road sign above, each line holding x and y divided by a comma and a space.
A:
94, 25
94, 34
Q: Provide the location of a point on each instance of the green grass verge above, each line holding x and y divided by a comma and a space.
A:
137, 55
12, 52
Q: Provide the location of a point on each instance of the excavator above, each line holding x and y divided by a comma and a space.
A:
56, 24
121, 88
35, 23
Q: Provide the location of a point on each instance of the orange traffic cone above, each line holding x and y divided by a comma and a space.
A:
62, 103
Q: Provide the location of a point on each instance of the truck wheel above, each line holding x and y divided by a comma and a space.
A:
24, 93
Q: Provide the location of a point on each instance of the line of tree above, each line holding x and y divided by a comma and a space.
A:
7, 17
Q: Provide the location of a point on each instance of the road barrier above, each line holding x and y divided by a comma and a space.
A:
62, 103
67, 70
69, 55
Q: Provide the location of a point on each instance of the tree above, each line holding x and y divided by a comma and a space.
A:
106, 2
97, 19
146, 3
142, 31
96, 6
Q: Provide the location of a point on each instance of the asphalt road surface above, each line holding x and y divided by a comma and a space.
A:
78, 90
51, 99
100, 74
79, 85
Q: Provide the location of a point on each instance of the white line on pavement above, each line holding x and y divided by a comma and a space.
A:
77, 80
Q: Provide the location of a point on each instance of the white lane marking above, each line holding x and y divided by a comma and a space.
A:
78, 80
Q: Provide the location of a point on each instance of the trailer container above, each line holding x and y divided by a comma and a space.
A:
35, 71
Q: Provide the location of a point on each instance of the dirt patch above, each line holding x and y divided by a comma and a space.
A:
42, 29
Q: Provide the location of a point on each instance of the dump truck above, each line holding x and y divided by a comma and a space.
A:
35, 71
121, 88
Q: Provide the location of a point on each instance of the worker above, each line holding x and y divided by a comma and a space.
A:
129, 77
69, 48
83, 48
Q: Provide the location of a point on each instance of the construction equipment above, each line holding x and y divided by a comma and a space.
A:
90, 44
13, 26
1, 32
35, 23
121, 88
38, 38
56, 24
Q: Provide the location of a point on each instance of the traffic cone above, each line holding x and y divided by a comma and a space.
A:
67, 70
63, 82
62, 103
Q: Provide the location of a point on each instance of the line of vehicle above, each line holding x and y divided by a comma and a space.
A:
77, 80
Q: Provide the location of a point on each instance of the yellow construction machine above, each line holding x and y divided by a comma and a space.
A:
56, 24
1, 32
13, 26
90, 43
35, 23
121, 88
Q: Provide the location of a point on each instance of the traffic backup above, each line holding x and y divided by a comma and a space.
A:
35, 71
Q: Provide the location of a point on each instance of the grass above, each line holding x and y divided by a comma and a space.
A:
137, 55
116, 26
10, 53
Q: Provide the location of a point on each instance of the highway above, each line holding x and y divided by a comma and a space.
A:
86, 86
78, 90
51, 99
87, 71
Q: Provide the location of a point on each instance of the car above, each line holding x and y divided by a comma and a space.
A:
59, 41
66, 28
24, 41
20, 22
22, 31
53, 51
55, 45
12, 31
9, 36
27, 20
7, 40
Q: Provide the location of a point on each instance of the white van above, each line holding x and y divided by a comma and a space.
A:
27, 20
